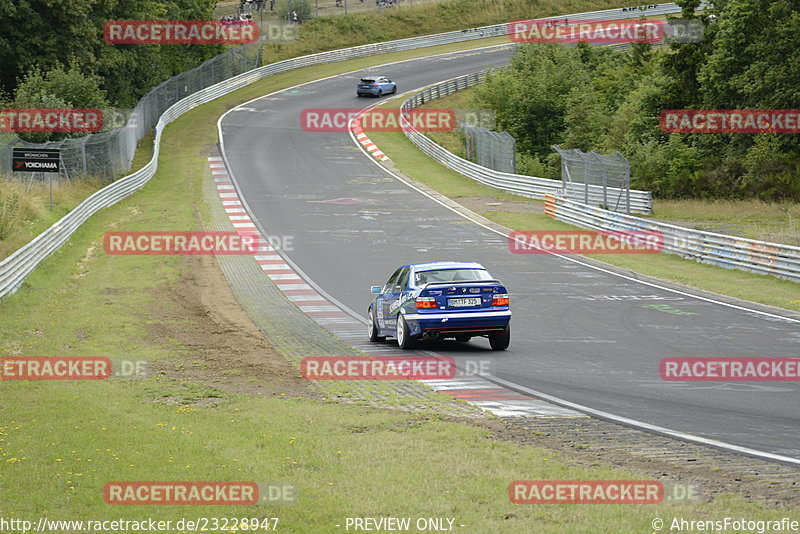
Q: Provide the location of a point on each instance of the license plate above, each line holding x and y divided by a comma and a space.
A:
464, 302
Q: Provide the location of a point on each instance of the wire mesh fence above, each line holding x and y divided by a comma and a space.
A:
494, 150
530, 186
612, 173
109, 154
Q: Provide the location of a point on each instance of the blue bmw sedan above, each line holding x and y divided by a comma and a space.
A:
440, 300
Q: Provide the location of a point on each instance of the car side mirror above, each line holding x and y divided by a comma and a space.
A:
375, 290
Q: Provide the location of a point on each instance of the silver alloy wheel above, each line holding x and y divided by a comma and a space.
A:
401, 332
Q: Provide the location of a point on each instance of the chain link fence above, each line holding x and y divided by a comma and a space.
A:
494, 150
109, 154
529, 186
611, 173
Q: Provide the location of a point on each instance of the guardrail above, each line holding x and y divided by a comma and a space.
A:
16, 267
519, 184
726, 251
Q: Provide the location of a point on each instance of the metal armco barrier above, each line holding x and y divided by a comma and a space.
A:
527, 186
726, 251
16, 267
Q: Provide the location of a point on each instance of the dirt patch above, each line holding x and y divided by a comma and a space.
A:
488, 203
224, 347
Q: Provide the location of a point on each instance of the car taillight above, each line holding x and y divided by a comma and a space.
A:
374, 85
500, 300
426, 303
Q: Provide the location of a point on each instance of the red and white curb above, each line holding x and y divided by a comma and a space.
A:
500, 401
274, 266
361, 137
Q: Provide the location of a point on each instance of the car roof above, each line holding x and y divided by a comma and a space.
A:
442, 265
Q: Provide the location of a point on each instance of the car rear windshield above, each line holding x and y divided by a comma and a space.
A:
368, 80
450, 275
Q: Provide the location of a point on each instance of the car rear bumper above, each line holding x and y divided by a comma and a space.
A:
472, 323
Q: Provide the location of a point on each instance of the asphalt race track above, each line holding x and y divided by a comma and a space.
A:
579, 333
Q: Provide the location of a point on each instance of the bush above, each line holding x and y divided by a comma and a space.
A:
58, 88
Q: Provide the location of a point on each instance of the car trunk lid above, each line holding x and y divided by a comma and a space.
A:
463, 296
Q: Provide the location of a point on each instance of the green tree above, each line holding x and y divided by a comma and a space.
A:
755, 62
45, 33
671, 169
771, 170
41, 33
683, 62
530, 98
58, 88
585, 119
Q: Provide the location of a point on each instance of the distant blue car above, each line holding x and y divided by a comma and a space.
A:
376, 86
440, 300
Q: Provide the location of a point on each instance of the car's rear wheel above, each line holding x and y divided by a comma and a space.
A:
404, 339
500, 340
380, 93
394, 90
372, 328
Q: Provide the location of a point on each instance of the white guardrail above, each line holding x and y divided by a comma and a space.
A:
16, 267
717, 249
519, 184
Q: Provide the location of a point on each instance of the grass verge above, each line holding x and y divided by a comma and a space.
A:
755, 219
25, 210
